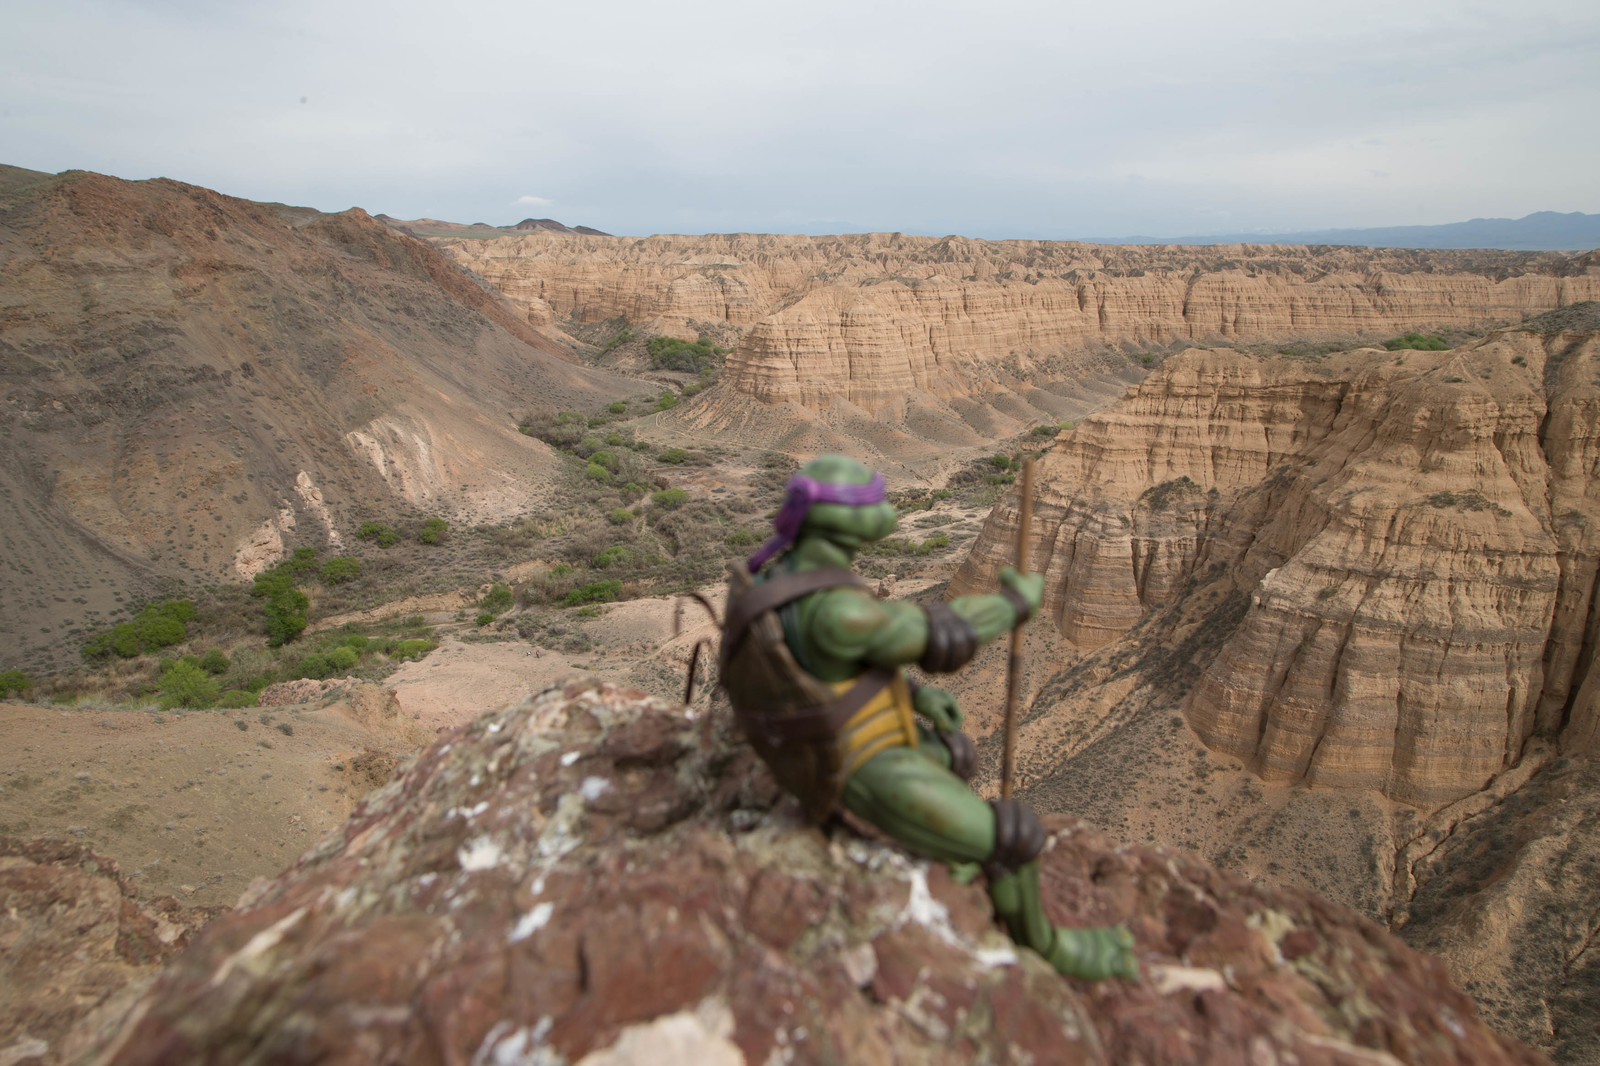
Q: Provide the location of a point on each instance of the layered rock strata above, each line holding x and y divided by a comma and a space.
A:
1409, 538
868, 318
593, 877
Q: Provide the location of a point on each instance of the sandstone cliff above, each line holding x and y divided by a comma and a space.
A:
594, 877
190, 383
1408, 540
868, 317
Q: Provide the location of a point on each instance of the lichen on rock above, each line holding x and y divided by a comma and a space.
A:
594, 876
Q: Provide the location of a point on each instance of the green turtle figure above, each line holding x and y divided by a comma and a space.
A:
812, 662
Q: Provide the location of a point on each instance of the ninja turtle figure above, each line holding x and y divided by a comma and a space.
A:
812, 662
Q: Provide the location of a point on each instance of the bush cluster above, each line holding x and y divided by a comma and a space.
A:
13, 683
1416, 342
433, 531
379, 533
670, 353
156, 626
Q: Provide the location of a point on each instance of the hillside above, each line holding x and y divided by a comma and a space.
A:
192, 382
1540, 231
1334, 622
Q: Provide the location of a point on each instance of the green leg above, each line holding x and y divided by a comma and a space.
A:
907, 794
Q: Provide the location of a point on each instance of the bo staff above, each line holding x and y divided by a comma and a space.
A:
1014, 663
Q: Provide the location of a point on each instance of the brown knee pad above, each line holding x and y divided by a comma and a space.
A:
963, 754
1018, 838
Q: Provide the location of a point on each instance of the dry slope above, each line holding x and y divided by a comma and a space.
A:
189, 381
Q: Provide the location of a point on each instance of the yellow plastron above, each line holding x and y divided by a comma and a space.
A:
885, 722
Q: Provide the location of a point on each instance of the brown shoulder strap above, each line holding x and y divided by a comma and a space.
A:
774, 593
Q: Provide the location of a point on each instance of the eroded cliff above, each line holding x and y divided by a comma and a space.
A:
1407, 541
868, 318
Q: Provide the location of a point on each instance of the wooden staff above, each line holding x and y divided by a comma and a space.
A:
1014, 663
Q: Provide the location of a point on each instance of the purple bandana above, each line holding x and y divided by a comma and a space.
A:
803, 492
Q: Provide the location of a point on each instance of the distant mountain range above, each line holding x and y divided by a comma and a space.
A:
1542, 231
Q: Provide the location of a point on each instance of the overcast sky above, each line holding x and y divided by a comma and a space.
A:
997, 119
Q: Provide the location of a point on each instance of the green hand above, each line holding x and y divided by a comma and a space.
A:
940, 708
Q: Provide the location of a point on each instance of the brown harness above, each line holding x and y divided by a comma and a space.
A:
824, 720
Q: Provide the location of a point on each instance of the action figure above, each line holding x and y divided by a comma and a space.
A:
812, 662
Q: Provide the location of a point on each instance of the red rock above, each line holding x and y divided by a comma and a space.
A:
495, 906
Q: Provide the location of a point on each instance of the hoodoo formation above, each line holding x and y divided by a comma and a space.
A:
1415, 533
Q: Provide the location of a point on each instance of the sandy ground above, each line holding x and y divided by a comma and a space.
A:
189, 804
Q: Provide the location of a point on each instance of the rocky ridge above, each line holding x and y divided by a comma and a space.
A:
191, 383
596, 877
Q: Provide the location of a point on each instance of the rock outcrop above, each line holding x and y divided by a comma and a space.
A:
76, 947
191, 384
868, 318
593, 877
1392, 555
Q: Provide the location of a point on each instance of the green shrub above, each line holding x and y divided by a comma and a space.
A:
933, 544
214, 662
669, 499
741, 538
594, 592
186, 685
674, 456
667, 402
596, 472
378, 532
341, 569
1000, 462
235, 698
497, 600
611, 557
286, 605
484, 618
356, 642
315, 665
605, 459
561, 570
1416, 342
433, 531
1045, 431
412, 649
157, 625
342, 658
619, 516
617, 407
670, 353
13, 683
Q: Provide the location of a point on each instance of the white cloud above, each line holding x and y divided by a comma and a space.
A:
532, 201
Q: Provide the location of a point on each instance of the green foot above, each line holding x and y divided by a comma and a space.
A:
1094, 954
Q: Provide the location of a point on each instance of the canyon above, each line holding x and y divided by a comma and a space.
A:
1364, 580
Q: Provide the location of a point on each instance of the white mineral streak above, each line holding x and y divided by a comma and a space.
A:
508, 1045
697, 1038
258, 946
479, 853
593, 788
532, 922
313, 500
1169, 979
560, 834
263, 548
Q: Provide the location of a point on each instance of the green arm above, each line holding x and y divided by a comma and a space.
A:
850, 626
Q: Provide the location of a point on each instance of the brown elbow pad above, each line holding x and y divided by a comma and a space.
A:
952, 641
963, 754
1019, 603
1018, 838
